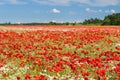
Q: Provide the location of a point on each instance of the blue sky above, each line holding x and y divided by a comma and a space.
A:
17, 11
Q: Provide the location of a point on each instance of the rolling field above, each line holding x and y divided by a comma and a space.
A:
59, 53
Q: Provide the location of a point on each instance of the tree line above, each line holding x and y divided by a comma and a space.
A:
113, 19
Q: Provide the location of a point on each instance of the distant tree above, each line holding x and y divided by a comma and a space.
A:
106, 21
67, 23
95, 21
52, 23
74, 23
113, 19
9, 23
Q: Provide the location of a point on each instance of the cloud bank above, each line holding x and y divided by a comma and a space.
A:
100, 3
87, 2
12, 2
100, 11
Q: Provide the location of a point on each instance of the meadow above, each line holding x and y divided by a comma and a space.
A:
59, 53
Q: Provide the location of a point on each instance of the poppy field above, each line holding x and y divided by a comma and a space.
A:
59, 53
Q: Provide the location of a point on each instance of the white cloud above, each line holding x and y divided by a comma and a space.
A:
110, 11
100, 11
93, 11
54, 21
56, 10
103, 2
12, 2
65, 2
88, 9
88, 2
53, 2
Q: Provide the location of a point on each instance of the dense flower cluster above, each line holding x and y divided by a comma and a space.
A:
74, 54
